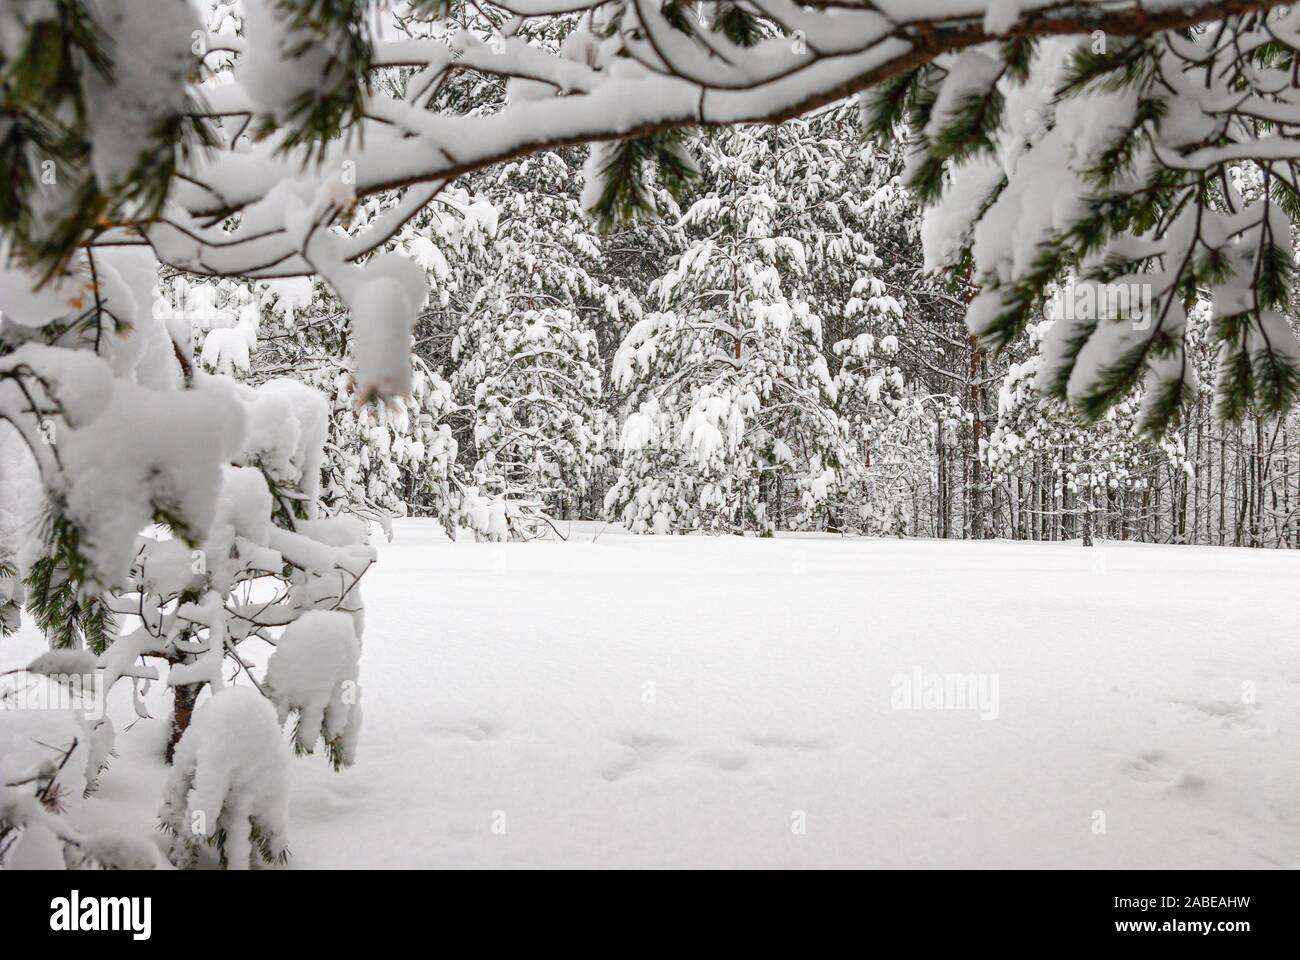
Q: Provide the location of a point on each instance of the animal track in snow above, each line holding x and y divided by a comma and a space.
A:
1229, 713
470, 729
729, 760
330, 799
643, 750
640, 749
1151, 766
782, 742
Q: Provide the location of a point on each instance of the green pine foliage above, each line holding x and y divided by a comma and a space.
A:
333, 109
1220, 233
51, 196
60, 593
628, 170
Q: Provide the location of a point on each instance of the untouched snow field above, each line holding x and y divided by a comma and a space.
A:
614, 700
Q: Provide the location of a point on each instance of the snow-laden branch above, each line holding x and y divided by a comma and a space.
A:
645, 77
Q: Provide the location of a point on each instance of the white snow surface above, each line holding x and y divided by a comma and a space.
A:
630, 701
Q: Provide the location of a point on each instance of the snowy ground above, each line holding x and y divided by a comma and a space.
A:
614, 700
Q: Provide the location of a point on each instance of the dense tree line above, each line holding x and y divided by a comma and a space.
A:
558, 367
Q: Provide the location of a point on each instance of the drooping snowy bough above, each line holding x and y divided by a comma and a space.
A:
1137, 120
157, 511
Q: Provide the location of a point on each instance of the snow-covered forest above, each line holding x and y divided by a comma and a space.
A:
430, 301
567, 373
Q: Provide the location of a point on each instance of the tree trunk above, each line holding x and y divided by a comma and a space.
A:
183, 700
975, 395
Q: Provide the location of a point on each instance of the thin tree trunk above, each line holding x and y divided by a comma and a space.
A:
184, 697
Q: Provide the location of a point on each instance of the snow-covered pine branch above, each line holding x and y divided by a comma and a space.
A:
198, 149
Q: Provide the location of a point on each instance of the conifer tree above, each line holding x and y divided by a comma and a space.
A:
524, 360
731, 403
